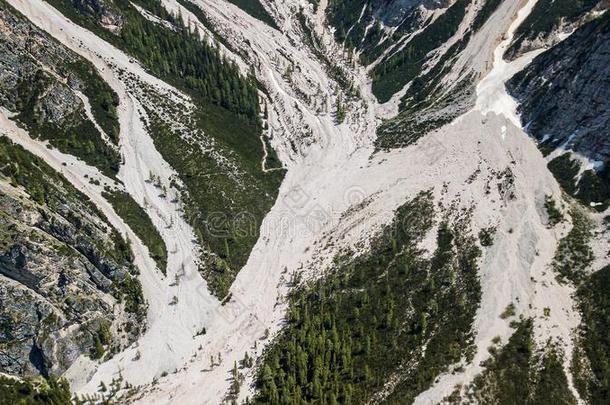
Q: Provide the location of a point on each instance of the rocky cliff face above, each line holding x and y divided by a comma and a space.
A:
550, 21
27, 56
63, 269
63, 272
372, 27
46, 86
564, 92
102, 11
393, 13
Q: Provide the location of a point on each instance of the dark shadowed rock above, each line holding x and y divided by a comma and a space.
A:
563, 94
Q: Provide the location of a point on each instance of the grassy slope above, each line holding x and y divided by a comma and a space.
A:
102, 98
137, 219
225, 213
407, 126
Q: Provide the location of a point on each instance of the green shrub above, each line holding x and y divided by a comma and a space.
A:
34, 391
486, 236
554, 214
508, 311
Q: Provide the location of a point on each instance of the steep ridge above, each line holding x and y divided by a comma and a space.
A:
68, 284
562, 105
373, 29
427, 62
550, 22
57, 95
336, 200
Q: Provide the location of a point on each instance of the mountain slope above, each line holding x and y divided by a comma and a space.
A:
551, 20
561, 92
325, 201
58, 95
68, 282
562, 103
